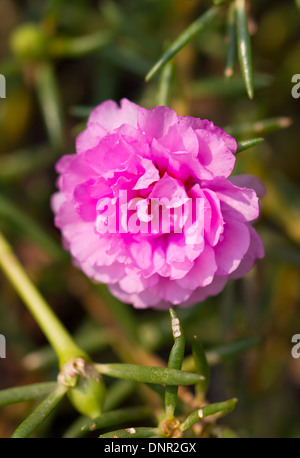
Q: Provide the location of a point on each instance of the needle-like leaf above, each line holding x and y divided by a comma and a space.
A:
132, 433
221, 2
50, 104
40, 413
231, 53
117, 417
26, 393
221, 408
246, 144
201, 366
244, 46
263, 127
175, 362
184, 38
148, 374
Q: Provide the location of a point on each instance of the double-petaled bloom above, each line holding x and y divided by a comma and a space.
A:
135, 167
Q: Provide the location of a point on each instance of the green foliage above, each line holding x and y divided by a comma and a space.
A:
86, 392
186, 36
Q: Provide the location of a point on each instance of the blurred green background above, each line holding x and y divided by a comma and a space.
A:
61, 58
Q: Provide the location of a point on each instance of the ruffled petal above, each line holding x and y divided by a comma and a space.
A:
110, 116
236, 202
90, 137
230, 251
214, 155
156, 122
203, 271
255, 251
249, 181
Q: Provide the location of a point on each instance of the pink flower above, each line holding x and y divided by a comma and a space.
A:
129, 160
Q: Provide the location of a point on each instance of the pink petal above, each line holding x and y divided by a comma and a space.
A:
214, 154
201, 293
150, 176
170, 191
77, 172
250, 182
156, 122
63, 163
57, 201
144, 299
90, 137
230, 251
133, 282
239, 203
111, 155
171, 291
107, 274
180, 138
179, 270
178, 165
142, 254
214, 223
110, 116
203, 272
213, 218
256, 250
209, 126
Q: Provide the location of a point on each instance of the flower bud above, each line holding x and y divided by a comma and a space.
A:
29, 42
87, 390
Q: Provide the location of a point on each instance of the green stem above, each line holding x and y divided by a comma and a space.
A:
57, 335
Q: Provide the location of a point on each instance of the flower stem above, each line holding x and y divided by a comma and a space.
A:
57, 335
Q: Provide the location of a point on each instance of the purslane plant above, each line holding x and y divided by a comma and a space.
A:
81, 378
